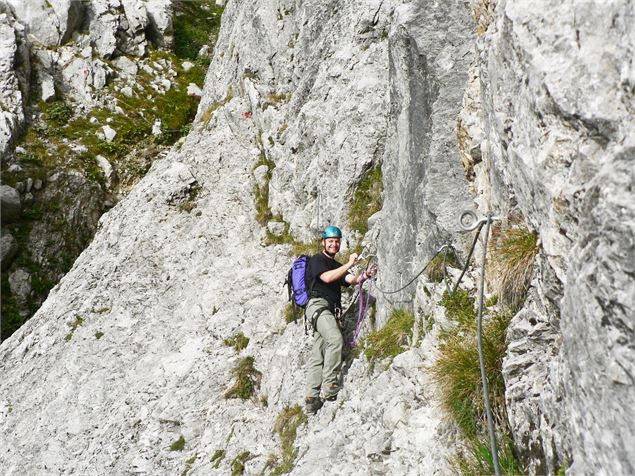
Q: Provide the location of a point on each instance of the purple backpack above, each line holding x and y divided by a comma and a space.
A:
296, 282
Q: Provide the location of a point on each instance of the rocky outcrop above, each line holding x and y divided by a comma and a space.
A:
14, 78
301, 101
10, 203
557, 147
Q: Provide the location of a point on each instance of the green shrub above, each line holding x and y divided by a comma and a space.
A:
178, 445
247, 380
366, 200
237, 341
392, 339
512, 258
286, 426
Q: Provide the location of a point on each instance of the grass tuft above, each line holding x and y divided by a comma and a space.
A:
178, 445
237, 341
458, 376
217, 457
247, 380
435, 271
366, 201
392, 339
286, 426
512, 259
238, 463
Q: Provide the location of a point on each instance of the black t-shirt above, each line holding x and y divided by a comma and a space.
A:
318, 264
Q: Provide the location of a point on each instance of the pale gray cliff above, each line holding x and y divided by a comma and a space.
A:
526, 111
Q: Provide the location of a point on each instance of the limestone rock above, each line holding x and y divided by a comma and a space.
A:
10, 202
8, 249
20, 284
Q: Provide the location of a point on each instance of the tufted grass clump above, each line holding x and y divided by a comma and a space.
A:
435, 271
512, 258
238, 463
217, 457
392, 339
178, 445
366, 200
247, 380
459, 307
188, 464
237, 341
261, 193
458, 377
286, 426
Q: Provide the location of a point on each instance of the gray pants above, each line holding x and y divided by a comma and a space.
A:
325, 359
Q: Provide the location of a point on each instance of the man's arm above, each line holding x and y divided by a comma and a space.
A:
338, 273
363, 276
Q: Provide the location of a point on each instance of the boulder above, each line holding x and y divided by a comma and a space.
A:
8, 249
10, 201
20, 284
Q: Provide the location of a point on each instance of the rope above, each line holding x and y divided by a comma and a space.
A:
467, 261
413, 279
479, 332
362, 311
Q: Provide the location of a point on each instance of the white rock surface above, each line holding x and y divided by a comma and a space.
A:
326, 93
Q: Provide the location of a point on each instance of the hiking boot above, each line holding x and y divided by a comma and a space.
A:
330, 395
313, 404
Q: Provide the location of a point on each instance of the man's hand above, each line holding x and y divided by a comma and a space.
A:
352, 259
372, 270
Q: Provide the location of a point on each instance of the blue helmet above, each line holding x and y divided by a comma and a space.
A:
331, 232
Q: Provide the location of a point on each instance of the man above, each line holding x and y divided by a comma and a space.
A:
325, 276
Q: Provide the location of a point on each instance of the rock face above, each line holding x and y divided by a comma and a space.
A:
126, 356
14, 77
558, 146
10, 203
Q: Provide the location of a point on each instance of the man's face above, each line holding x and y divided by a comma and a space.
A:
331, 246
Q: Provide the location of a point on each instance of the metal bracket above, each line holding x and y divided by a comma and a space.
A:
468, 220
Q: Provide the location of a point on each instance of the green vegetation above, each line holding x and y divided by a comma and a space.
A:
189, 203
457, 373
288, 313
435, 271
218, 457
188, 464
196, 24
392, 339
11, 318
512, 258
286, 426
238, 463
366, 200
78, 322
178, 445
261, 193
237, 341
56, 112
99, 335
247, 380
